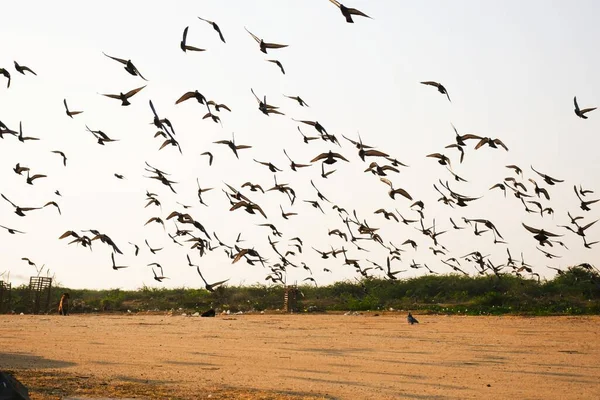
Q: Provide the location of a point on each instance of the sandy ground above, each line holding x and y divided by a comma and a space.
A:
311, 356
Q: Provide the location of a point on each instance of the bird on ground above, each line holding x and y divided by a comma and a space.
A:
411, 320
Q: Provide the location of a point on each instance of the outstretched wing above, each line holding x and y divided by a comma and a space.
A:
530, 229
354, 11
132, 92
431, 83
253, 35
274, 45
115, 58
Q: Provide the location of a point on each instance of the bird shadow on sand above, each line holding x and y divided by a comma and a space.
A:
31, 361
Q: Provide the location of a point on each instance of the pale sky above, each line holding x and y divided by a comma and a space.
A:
511, 69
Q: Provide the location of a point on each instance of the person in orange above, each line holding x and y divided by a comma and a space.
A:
63, 306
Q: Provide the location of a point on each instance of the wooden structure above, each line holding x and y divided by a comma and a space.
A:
290, 299
5, 297
40, 290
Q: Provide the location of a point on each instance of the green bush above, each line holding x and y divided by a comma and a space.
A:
577, 291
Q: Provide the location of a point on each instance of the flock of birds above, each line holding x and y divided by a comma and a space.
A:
353, 234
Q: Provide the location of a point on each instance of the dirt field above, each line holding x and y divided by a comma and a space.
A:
304, 356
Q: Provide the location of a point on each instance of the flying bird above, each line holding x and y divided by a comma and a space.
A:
263, 45
548, 179
114, 265
231, 144
348, 12
64, 158
11, 230
393, 192
192, 95
215, 27
125, 97
210, 287
6, 74
329, 157
70, 113
439, 87
22, 138
20, 211
541, 235
298, 99
183, 45
210, 157
278, 63
581, 113
23, 68
129, 67
30, 179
